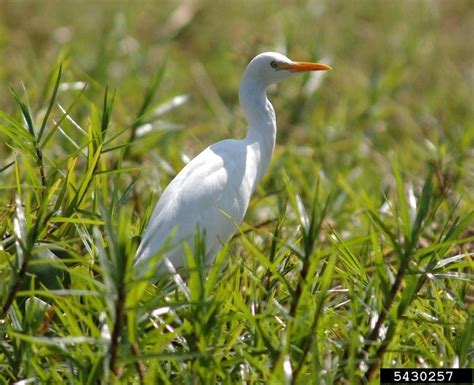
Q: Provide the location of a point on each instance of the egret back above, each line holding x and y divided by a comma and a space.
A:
211, 194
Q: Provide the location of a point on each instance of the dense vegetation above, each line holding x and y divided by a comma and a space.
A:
356, 252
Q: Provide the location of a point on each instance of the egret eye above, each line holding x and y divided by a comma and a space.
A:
274, 64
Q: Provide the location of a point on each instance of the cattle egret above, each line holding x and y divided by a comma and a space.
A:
212, 192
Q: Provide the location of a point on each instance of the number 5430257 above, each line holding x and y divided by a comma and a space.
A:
424, 376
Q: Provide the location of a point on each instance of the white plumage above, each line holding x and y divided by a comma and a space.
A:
212, 192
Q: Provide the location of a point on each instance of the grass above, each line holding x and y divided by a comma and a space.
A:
357, 249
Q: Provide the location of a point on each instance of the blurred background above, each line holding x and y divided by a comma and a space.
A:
402, 81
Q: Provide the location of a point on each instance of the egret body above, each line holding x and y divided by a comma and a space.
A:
212, 192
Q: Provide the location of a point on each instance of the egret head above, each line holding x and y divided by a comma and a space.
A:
271, 67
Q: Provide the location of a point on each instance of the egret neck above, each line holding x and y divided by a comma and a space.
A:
261, 120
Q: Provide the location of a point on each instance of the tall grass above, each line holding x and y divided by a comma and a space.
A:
356, 252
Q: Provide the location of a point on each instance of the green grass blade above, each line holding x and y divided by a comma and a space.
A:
51, 103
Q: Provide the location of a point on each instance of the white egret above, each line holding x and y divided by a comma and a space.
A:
212, 192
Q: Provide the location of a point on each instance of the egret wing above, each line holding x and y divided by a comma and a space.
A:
205, 195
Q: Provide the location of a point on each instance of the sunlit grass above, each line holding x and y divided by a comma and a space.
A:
356, 252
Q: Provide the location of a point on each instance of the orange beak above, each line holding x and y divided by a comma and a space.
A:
302, 66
